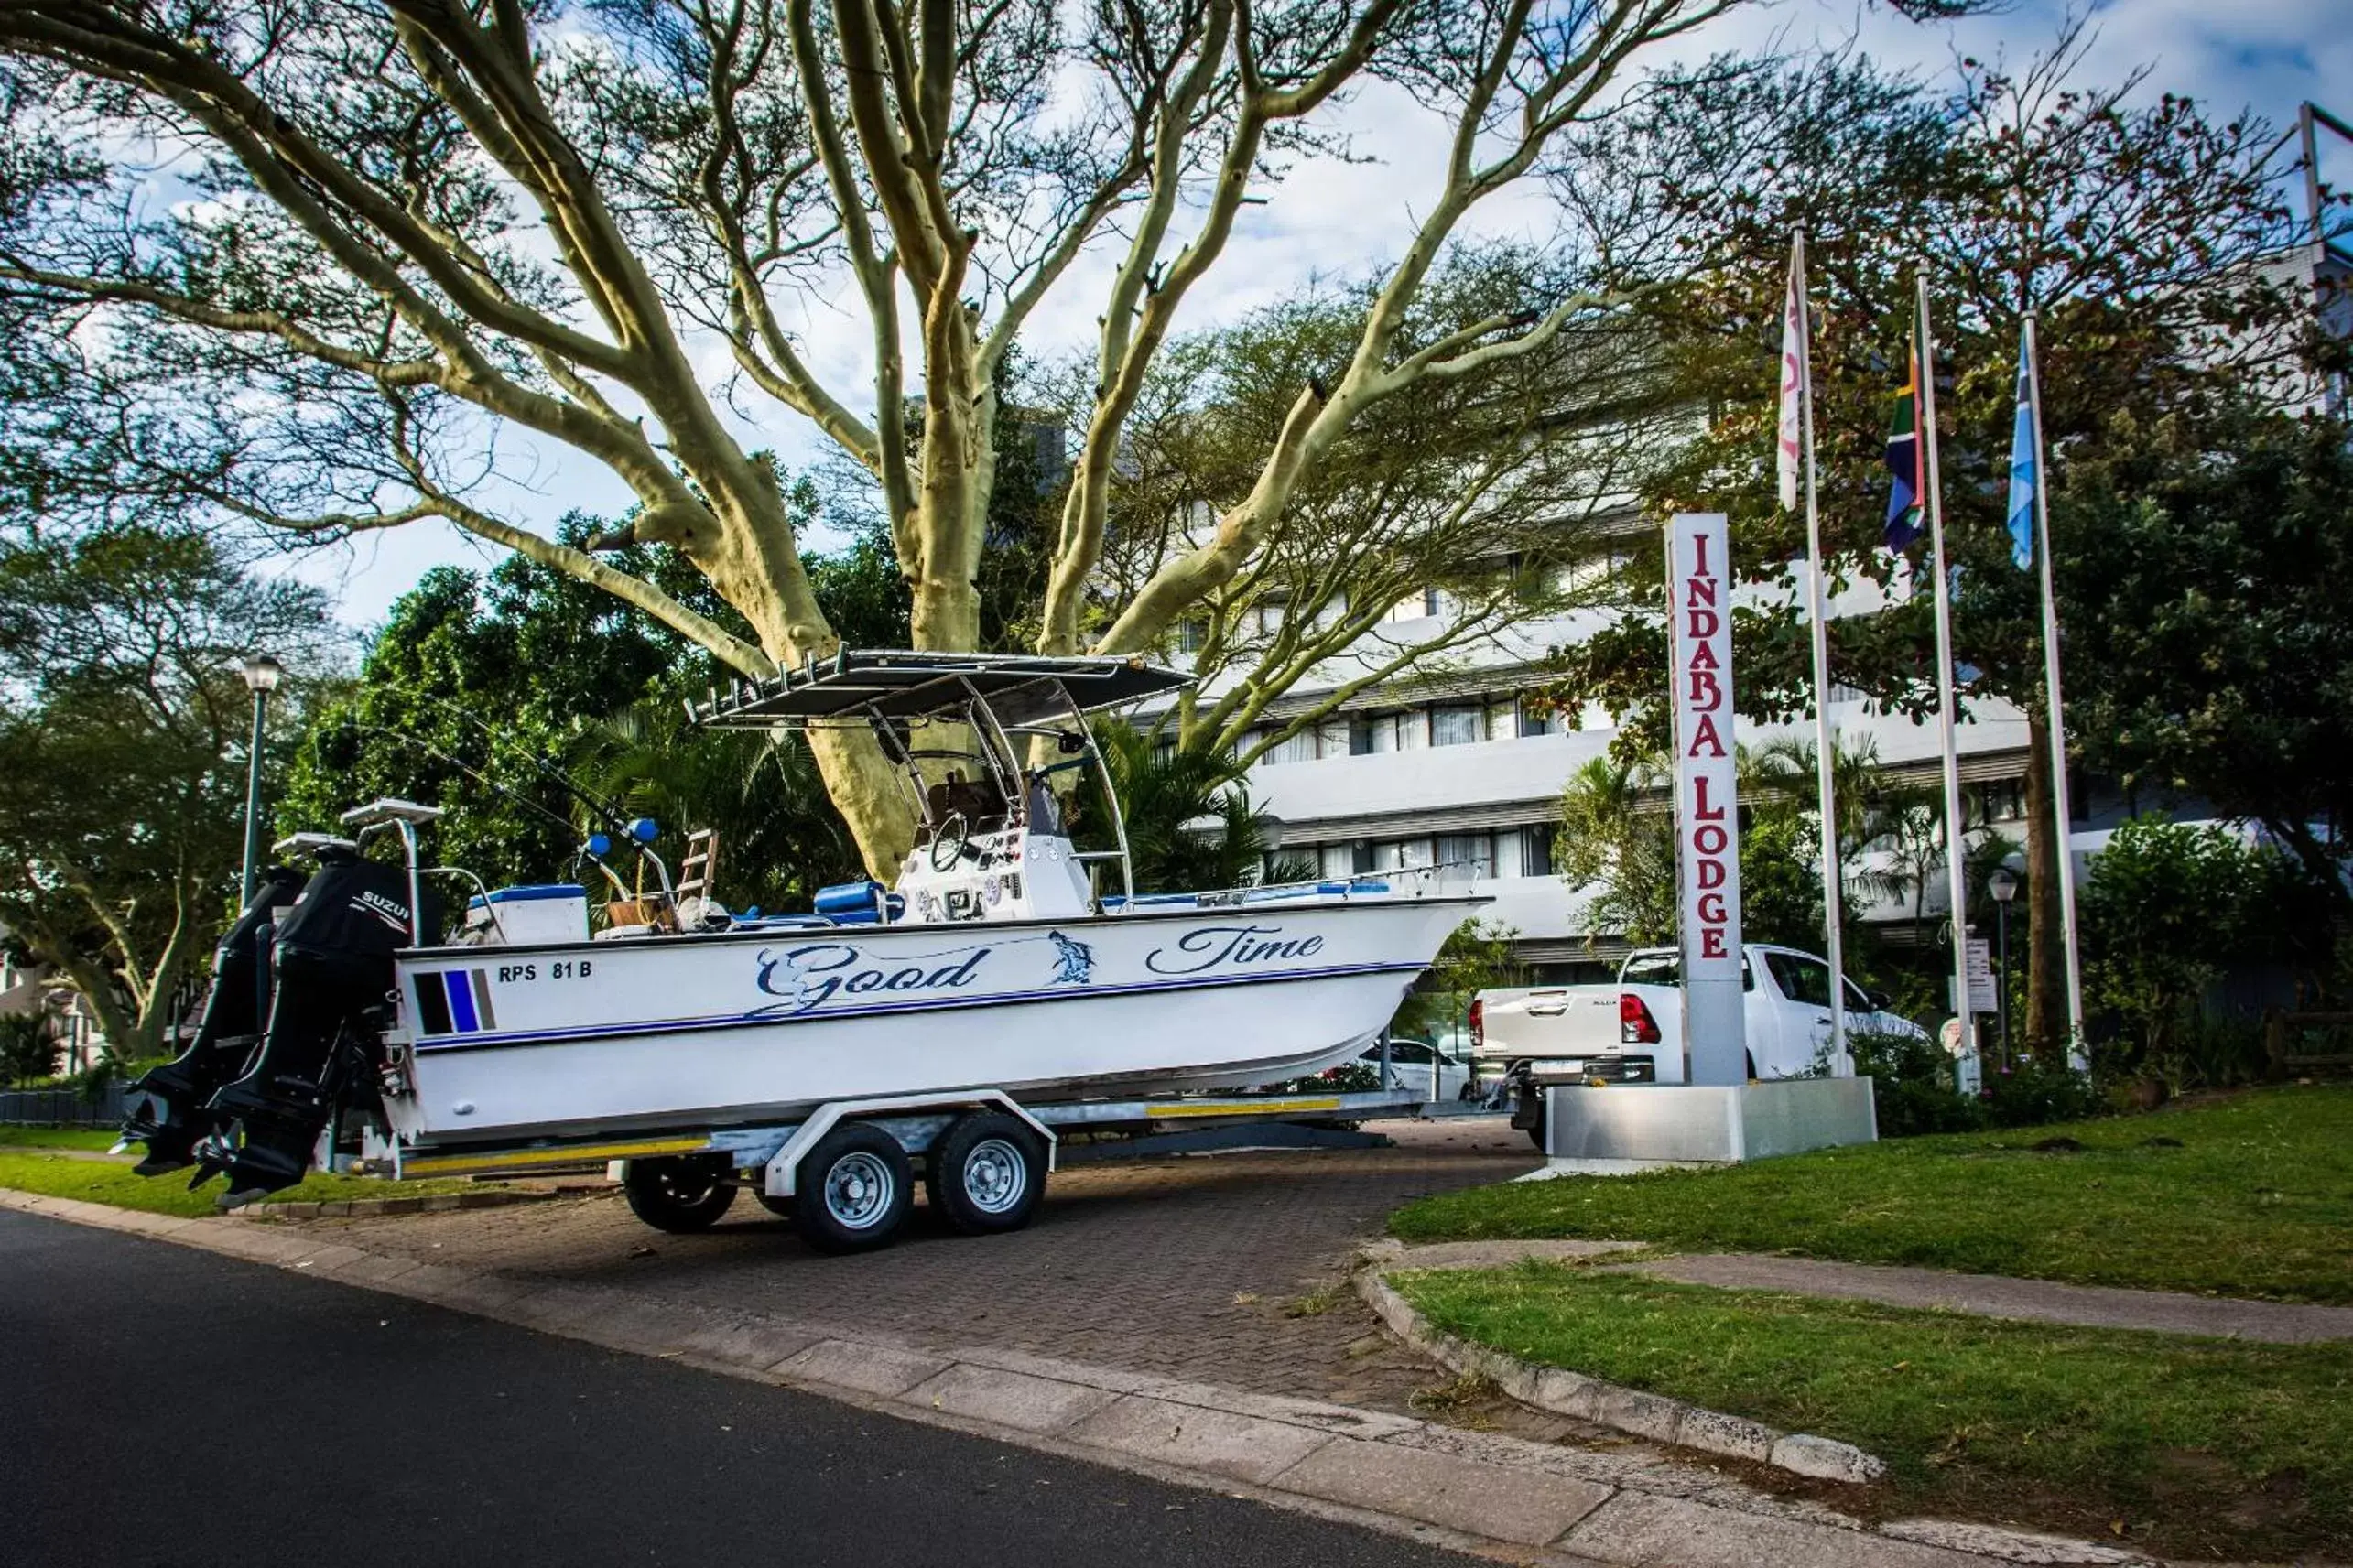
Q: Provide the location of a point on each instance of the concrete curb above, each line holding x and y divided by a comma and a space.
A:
1654, 1416
1500, 1497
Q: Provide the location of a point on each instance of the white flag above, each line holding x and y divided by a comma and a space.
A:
1792, 371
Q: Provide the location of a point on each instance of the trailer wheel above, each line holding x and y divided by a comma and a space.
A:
680, 1196
987, 1173
853, 1189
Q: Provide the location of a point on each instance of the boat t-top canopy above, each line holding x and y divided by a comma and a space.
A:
861, 684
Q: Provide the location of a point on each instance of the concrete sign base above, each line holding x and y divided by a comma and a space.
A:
1623, 1127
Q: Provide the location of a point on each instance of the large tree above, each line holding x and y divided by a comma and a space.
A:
1496, 496
2136, 231
2220, 667
328, 255
124, 728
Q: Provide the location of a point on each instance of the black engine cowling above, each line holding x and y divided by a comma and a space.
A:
172, 1116
333, 978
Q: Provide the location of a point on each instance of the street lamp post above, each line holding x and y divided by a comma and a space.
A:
2003, 885
262, 675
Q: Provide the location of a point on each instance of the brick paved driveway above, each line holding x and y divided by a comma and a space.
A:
1176, 1267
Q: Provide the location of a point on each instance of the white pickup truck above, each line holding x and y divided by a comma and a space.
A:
1631, 1031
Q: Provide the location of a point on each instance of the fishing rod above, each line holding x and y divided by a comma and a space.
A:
613, 813
598, 843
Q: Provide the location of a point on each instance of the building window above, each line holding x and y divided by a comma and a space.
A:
1190, 635
1537, 718
1298, 748
1467, 854
1400, 854
1456, 725
1335, 861
1995, 800
1535, 851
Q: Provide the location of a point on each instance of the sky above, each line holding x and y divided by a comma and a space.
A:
1334, 217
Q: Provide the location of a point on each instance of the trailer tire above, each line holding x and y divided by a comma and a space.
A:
987, 1173
679, 1196
853, 1189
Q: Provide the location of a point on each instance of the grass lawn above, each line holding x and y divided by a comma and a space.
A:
103, 1181
2250, 1195
2194, 1446
98, 1137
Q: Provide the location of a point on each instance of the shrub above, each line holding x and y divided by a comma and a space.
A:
27, 1048
2035, 1091
1912, 1085
2168, 908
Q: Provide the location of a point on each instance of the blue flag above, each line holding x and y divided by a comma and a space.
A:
2025, 462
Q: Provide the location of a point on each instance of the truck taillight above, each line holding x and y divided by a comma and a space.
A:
1635, 1024
1477, 1024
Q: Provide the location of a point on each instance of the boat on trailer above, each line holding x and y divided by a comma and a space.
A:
814, 1056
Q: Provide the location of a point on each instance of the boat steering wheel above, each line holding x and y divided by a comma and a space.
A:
947, 844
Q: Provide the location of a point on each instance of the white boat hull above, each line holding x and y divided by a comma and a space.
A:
522, 1042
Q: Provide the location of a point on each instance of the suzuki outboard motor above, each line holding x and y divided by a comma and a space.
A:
172, 1117
334, 976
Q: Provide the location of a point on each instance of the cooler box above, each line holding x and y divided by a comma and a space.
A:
555, 913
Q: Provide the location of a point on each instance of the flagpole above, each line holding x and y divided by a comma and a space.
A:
1824, 742
1956, 844
2056, 708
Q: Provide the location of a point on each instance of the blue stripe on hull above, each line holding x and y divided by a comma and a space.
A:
459, 984
473, 1041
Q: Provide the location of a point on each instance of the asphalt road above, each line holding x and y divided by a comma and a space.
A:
164, 1408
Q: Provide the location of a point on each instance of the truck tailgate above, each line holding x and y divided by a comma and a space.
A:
1548, 1021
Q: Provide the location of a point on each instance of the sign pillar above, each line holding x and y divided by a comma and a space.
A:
1707, 800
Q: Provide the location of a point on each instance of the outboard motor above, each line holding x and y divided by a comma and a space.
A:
172, 1117
334, 976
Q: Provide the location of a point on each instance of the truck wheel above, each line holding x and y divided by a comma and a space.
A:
987, 1173
853, 1189
1528, 1112
680, 1196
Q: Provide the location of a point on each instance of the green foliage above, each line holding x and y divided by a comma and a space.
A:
1780, 890
2061, 1428
477, 692
498, 697
1191, 824
28, 1048
110, 1181
1915, 1090
2168, 907
2219, 664
1615, 838
778, 842
124, 728
1618, 836
1912, 1085
2246, 1196
1475, 957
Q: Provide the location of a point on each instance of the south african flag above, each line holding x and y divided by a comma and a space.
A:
1903, 502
